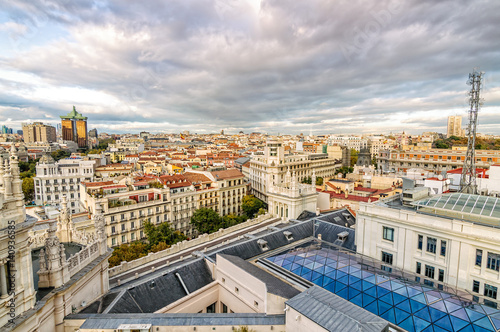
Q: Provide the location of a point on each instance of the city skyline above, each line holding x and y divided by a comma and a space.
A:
248, 65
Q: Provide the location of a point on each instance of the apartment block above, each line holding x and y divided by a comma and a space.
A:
54, 180
436, 160
39, 132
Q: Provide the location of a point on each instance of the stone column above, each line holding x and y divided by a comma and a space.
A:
3, 282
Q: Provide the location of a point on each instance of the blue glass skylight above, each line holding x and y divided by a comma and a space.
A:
407, 304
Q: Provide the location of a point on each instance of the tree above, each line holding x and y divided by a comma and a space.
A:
307, 180
155, 184
251, 205
206, 220
162, 233
233, 219
128, 252
344, 170
319, 181
28, 189
354, 157
441, 144
103, 144
60, 154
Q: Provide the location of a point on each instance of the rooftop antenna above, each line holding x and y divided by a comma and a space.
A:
468, 180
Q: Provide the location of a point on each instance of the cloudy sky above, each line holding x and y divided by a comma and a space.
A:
342, 66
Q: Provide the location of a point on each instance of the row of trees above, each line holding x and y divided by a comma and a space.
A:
162, 236
159, 238
308, 180
481, 143
206, 220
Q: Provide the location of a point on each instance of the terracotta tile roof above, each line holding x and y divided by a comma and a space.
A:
365, 189
97, 184
354, 198
196, 177
227, 174
175, 181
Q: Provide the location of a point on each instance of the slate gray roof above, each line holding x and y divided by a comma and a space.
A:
250, 248
329, 234
306, 215
274, 285
340, 217
108, 321
154, 294
335, 313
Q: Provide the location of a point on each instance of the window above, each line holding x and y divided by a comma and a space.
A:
419, 268
256, 304
124, 238
386, 257
224, 308
211, 308
475, 286
113, 230
223, 280
388, 234
236, 290
493, 261
123, 227
443, 248
490, 291
429, 271
113, 241
441, 275
431, 245
479, 257
132, 236
132, 225
420, 241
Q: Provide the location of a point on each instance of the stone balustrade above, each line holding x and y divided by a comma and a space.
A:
83, 258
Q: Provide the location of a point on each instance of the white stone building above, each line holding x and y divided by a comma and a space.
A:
290, 198
449, 239
62, 178
272, 166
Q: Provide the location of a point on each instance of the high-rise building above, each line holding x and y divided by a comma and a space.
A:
74, 128
93, 133
38, 132
454, 126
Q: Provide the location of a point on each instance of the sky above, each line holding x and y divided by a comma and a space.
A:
271, 66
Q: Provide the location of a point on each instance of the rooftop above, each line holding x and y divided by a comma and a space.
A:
391, 294
474, 208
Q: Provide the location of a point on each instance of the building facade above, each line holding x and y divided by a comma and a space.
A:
450, 240
74, 128
271, 168
39, 132
454, 127
435, 160
54, 180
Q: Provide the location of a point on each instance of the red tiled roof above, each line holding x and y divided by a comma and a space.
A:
227, 174
196, 177
97, 184
351, 197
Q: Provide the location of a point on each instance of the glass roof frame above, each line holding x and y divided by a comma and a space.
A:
394, 296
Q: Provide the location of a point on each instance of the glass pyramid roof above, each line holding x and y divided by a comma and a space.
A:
392, 296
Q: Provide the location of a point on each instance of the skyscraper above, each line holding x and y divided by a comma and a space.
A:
38, 132
74, 128
454, 126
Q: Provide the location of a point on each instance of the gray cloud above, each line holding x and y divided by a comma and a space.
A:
335, 66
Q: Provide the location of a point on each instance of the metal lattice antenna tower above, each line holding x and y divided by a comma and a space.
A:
468, 179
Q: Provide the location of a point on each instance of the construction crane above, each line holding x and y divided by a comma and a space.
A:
468, 179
